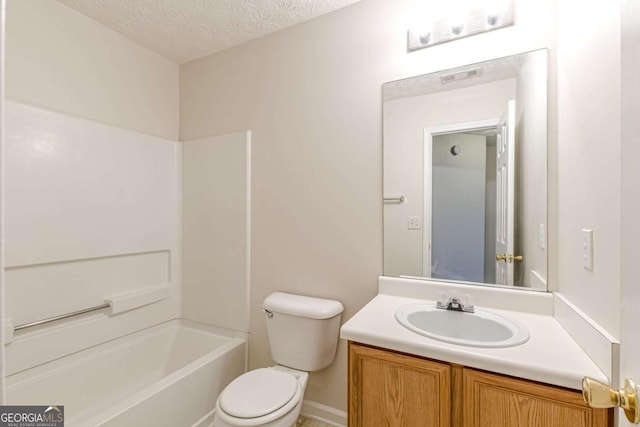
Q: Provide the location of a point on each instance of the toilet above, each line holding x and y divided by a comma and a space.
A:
303, 337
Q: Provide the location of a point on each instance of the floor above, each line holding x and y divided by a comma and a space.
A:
308, 422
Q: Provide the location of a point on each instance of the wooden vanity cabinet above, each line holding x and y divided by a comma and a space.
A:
391, 389
499, 401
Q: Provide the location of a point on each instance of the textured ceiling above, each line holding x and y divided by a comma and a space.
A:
184, 30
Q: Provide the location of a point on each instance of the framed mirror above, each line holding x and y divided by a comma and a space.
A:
465, 173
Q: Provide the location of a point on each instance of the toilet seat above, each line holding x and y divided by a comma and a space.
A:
258, 397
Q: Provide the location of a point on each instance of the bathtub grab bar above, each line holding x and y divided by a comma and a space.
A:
60, 317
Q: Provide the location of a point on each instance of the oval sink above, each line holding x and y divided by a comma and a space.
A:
480, 329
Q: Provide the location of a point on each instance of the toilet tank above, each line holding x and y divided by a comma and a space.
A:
303, 331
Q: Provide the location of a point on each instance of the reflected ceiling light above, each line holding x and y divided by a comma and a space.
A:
462, 18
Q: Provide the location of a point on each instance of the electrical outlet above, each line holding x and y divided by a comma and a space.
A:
587, 249
414, 223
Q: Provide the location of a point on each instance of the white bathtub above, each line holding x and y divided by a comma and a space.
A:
167, 375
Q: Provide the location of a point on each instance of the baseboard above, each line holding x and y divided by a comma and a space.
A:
323, 413
314, 410
206, 421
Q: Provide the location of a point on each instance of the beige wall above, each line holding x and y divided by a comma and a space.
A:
63, 61
311, 95
216, 233
588, 181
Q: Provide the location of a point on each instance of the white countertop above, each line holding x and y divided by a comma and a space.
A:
550, 356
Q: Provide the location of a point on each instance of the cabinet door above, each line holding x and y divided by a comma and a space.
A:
395, 390
498, 401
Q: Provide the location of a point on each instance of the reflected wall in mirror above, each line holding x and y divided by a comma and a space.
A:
465, 173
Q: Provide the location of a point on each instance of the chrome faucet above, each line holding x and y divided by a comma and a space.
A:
455, 304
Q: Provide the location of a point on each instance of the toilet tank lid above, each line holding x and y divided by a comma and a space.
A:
302, 306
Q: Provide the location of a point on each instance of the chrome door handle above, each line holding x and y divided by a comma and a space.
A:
599, 395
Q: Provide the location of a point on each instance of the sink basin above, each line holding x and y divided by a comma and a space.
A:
480, 329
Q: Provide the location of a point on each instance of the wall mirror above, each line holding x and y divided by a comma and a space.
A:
465, 173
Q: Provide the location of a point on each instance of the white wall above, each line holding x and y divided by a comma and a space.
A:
311, 96
531, 167
63, 61
217, 230
405, 120
588, 156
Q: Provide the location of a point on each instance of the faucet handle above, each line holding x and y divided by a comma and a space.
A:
467, 303
443, 300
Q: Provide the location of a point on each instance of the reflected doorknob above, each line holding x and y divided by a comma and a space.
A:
509, 258
599, 395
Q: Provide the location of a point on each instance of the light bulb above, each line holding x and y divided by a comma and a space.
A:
425, 38
494, 9
422, 33
458, 15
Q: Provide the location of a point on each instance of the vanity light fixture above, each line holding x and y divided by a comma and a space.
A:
464, 18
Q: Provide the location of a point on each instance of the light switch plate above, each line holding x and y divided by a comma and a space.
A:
414, 223
542, 237
587, 249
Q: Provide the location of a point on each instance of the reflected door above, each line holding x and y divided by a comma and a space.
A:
505, 152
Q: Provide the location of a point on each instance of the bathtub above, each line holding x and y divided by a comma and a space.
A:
167, 375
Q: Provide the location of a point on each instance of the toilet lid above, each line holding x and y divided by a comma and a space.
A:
258, 393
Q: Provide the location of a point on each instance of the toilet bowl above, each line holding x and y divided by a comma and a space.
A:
266, 397
303, 337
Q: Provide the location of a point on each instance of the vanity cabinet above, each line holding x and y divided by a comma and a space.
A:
499, 401
391, 389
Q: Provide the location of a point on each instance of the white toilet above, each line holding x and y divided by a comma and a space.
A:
303, 336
